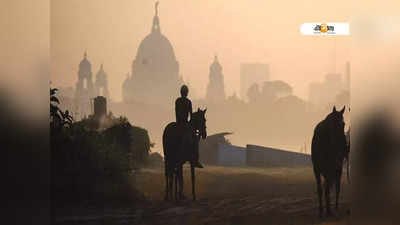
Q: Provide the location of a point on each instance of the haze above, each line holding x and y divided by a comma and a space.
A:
237, 31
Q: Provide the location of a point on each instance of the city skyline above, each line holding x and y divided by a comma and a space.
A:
192, 67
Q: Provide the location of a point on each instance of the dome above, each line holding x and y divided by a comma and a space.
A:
155, 47
155, 50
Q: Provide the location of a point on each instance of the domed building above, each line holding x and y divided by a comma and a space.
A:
154, 75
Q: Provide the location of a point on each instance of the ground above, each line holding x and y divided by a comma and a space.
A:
226, 196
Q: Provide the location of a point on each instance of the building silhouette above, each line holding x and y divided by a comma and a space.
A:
333, 89
84, 90
216, 87
101, 84
252, 73
154, 74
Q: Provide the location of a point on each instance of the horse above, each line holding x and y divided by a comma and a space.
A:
179, 144
328, 150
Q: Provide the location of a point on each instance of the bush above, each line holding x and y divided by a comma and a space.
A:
155, 160
97, 165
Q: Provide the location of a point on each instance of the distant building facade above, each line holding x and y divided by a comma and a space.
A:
101, 84
332, 90
86, 89
154, 74
216, 87
252, 73
218, 151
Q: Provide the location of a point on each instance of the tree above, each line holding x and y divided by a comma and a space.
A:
272, 90
58, 118
253, 93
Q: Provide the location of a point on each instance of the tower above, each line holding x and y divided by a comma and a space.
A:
101, 83
216, 86
84, 87
252, 73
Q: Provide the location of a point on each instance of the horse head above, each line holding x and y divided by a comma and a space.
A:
198, 121
336, 125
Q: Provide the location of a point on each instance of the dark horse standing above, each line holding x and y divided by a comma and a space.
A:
328, 151
179, 145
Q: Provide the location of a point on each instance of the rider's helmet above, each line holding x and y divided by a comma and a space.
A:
184, 91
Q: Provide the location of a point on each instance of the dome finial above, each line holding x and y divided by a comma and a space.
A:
156, 22
156, 8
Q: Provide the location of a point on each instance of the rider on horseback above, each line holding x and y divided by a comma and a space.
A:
183, 108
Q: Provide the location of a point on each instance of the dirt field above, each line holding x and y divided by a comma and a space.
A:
226, 196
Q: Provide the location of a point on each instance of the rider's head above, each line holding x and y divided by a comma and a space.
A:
184, 91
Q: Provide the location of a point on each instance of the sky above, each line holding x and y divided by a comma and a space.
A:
237, 31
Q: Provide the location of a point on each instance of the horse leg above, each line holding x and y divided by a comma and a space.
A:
180, 179
193, 182
170, 183
327, 197
166, 180
319, 190
176, 177
338, 183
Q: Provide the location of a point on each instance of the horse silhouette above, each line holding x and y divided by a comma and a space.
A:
179, 145
328, 151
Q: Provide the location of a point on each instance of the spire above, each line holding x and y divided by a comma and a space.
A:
156, 21
101, 67
215, 58
156, 8
85, 54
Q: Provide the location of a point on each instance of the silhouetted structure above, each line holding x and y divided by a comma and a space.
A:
155, 70
326, 93
252, 73
260, 156
216, 87
101, 84
84, 90
100, 106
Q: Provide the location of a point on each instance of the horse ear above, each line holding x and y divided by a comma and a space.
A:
205, 110
334, 109
198, 109
342, 111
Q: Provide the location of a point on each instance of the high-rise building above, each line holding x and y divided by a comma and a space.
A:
252, 73
325, 93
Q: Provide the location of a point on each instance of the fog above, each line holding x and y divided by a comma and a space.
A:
238, 32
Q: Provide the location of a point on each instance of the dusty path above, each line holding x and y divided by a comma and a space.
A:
226, 196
